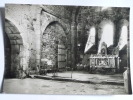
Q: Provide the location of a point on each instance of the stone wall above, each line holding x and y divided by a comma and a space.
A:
31, 21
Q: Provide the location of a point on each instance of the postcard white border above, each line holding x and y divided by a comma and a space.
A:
111, 3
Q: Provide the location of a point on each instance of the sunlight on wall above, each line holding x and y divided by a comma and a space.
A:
123, 37
107, 36
91, 39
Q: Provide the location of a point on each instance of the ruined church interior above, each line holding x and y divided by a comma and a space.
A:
78, 42
42, 39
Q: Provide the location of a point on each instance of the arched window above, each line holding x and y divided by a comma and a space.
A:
107, 36
91, 39
123, 37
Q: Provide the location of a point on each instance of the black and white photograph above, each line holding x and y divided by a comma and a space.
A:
66, 50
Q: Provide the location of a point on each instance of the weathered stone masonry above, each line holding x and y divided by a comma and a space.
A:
31, 22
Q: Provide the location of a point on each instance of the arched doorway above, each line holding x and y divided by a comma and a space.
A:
53, 51
13, 50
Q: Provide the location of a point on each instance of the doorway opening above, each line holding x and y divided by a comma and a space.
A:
13, 50
53, 51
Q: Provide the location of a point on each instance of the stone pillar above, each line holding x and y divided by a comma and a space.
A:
38, 36
73, 44
128, 63
69, 50
96, 37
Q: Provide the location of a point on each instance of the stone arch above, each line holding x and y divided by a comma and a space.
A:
52, 19
53, 38
60, 24
16, 44
57, 23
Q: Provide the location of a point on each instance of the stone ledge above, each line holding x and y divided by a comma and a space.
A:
110, 82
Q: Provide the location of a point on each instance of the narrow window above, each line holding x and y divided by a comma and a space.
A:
91, 39
123, 37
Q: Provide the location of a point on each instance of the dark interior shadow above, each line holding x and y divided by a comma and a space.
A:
2, 18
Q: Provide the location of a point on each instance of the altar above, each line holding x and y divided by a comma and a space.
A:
104, 63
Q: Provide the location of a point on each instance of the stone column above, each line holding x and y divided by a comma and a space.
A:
128, 63
69, 50
73, 44
38, 36
96, 38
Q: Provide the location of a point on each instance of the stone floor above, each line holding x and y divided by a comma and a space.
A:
85, 77
62, 84
41, 86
